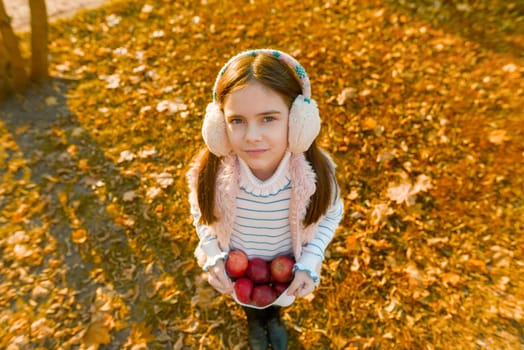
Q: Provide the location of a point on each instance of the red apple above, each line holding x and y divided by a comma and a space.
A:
282, 268
279, 288
243, 288
258, 270
236, 263
263, 295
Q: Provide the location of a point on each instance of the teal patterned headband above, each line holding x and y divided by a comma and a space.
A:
284, 57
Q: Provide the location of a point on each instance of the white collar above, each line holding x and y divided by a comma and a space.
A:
280, 179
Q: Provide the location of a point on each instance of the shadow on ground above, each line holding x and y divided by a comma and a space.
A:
79, 185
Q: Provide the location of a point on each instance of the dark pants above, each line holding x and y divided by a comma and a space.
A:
263, 315
265, 327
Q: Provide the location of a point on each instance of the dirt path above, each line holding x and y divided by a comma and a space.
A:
18, 10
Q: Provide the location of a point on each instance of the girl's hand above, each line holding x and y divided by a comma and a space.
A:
218, 278
301, 285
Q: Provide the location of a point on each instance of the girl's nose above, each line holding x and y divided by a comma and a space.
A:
253, 133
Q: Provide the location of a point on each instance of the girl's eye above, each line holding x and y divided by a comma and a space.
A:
235, 121
269, 118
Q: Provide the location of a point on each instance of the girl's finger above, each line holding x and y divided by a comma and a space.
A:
214, 283
217, 284
293, 287
305, 289
226, 282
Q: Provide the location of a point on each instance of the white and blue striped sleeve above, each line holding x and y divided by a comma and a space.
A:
208, 242
313, 252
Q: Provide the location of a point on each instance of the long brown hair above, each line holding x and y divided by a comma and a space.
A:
278, 76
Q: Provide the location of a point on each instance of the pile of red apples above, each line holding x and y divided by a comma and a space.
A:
257, 281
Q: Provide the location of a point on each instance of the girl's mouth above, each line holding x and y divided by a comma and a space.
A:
255, 152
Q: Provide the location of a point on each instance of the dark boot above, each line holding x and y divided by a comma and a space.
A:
256, 329
276, 329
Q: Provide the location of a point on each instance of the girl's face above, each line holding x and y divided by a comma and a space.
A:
257, 125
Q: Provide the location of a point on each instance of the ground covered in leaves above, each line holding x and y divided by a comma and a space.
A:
422, 105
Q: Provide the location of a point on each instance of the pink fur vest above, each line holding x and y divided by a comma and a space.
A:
303, 180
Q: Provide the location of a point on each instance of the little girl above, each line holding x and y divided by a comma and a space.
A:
262, 185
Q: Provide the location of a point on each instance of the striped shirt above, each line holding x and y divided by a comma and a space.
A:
261, 226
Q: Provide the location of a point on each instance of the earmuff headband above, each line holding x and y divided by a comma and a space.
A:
282, 56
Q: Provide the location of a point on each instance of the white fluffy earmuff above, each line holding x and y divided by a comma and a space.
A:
304, 124
304, 118
214, 130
